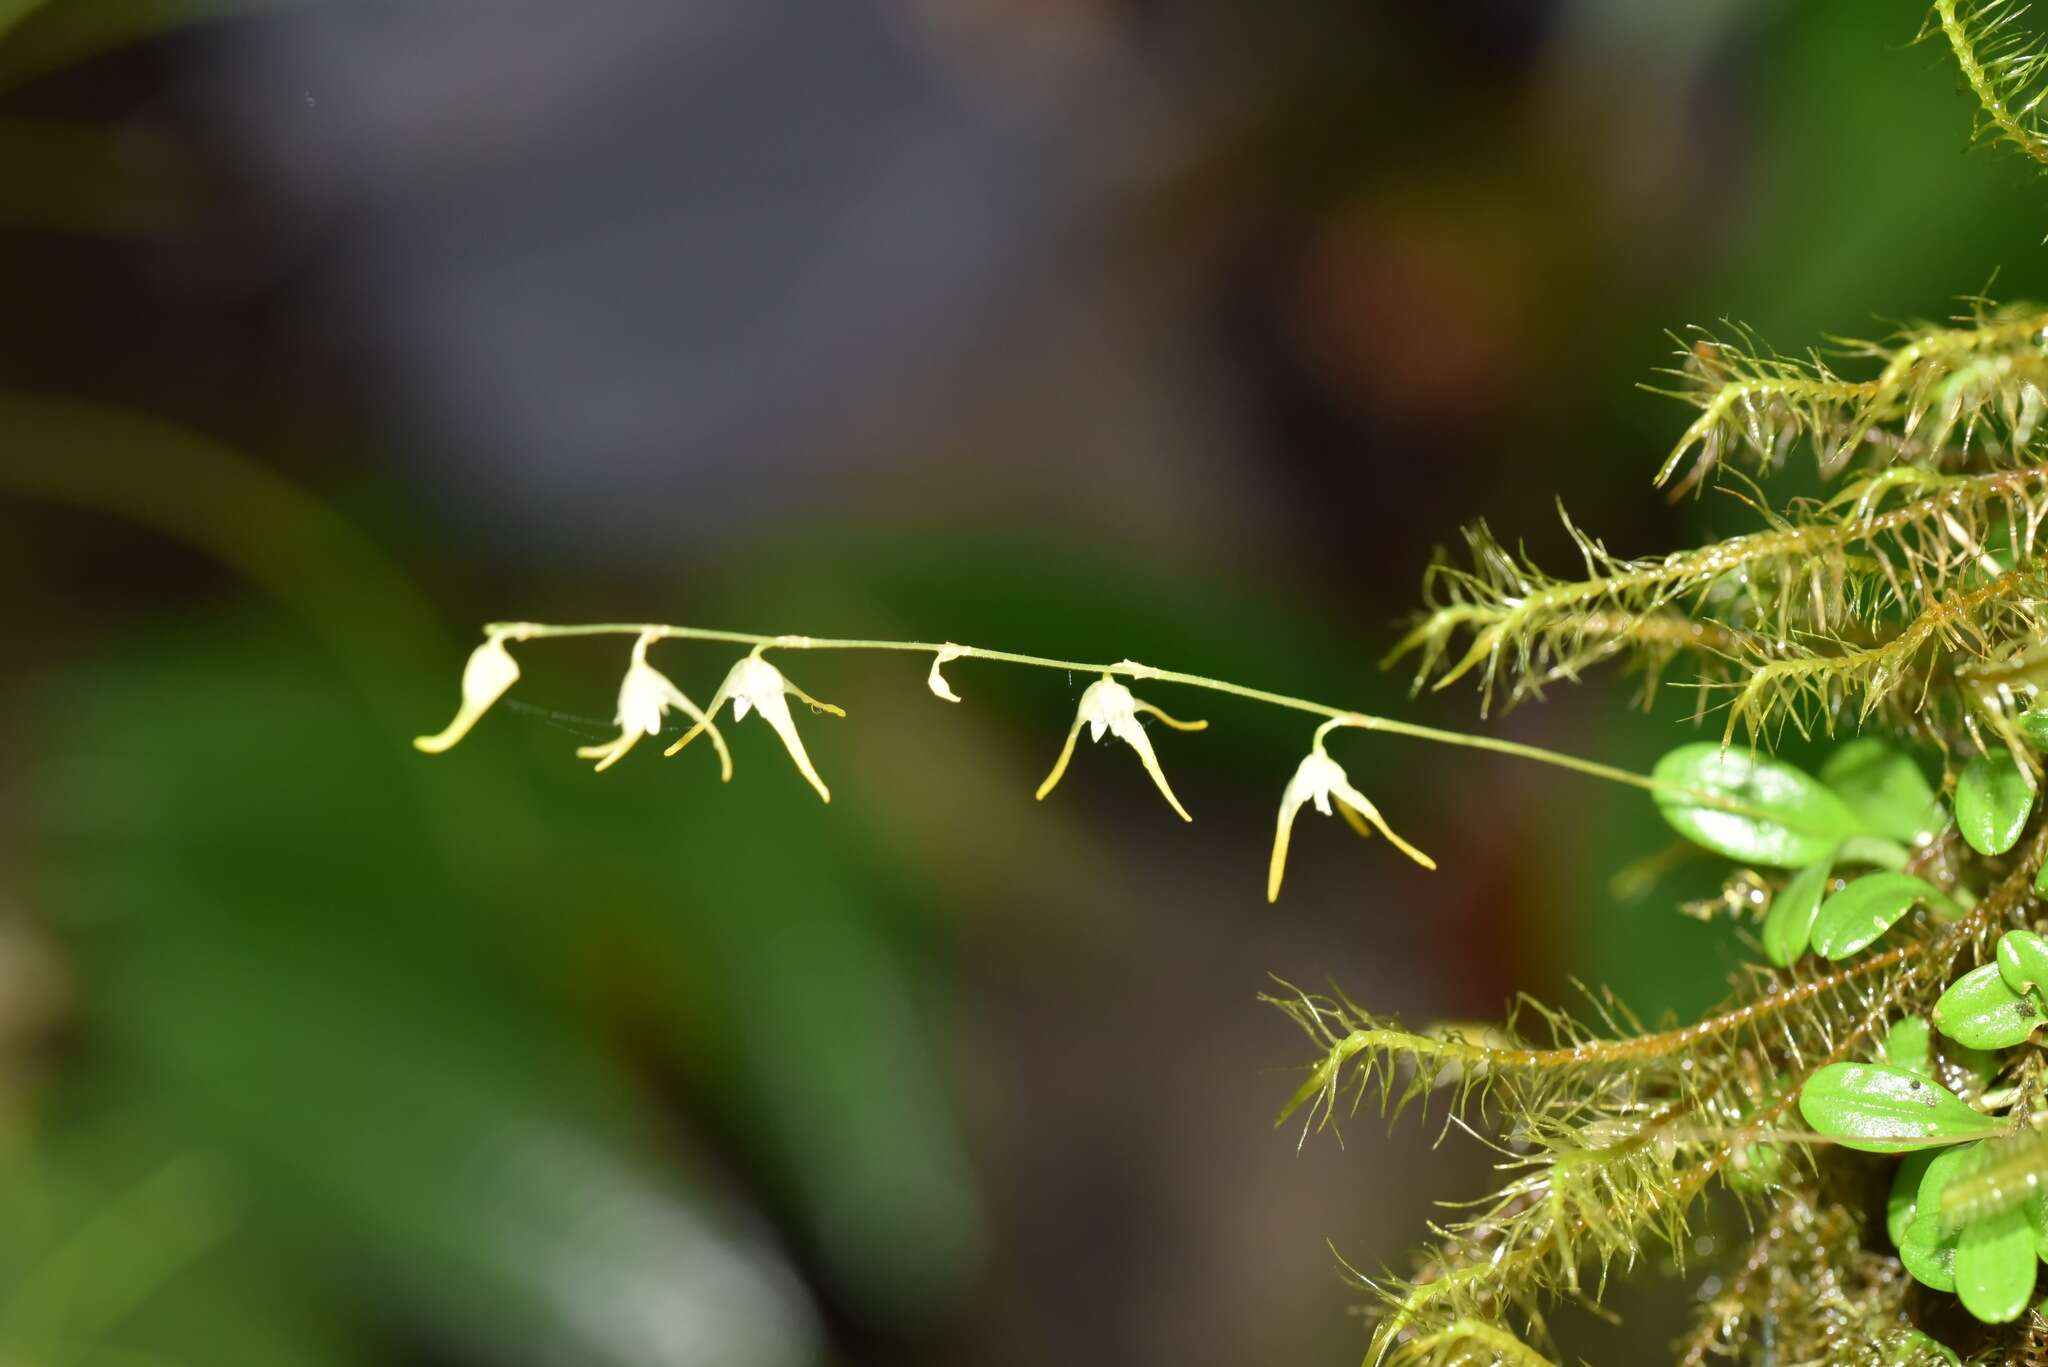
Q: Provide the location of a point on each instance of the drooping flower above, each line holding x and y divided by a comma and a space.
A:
1107, 705
945, 655
490, 671
645, 695
1318, 779
754, 684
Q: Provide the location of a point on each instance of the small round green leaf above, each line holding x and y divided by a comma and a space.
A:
1927, 1251
1908, 1046
1866, 909
1929, 1255
1995, 1266
1904, 1202
1790, 819
1788, 926
1885, 788
2034, 726
1877, 1109
2023, 960
1993, 800
1978, 1011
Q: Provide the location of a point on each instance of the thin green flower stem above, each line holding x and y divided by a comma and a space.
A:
535, 631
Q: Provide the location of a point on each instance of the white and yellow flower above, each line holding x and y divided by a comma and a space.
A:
1319, 779
645, 697
1106, 705
755, 685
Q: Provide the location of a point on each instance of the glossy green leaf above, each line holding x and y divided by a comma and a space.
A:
1995, 1266
1903, 1204
1884, 788
1788, 926
1878, 1109
1929, 1255
1912, 1347
1790, 819
2034, 726
1866, 909
1979, 1011
1993, 800
2023, 960
1929, 1252
1908, 1045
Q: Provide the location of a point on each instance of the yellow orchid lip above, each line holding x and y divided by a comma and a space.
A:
1106, 705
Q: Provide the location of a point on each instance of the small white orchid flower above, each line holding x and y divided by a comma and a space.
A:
1107, 705
754, 684
645, 696
490, 671
1318, 779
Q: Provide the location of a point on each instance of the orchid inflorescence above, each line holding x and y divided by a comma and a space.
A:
1107, 707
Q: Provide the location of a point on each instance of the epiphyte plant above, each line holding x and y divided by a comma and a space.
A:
1867, 1115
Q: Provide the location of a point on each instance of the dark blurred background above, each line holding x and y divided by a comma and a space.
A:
1094, 328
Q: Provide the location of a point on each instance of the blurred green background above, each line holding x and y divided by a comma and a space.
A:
1098, 328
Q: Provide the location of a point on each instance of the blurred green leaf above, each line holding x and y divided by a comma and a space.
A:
1995, 1266
81, 179
1908, 1046
1885, 788
1929, 1250
1791, 820
38, 37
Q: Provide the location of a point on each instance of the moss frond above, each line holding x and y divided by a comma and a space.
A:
1901, 674
1962, 396
2004, 66
1807, 1289
1879, 589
